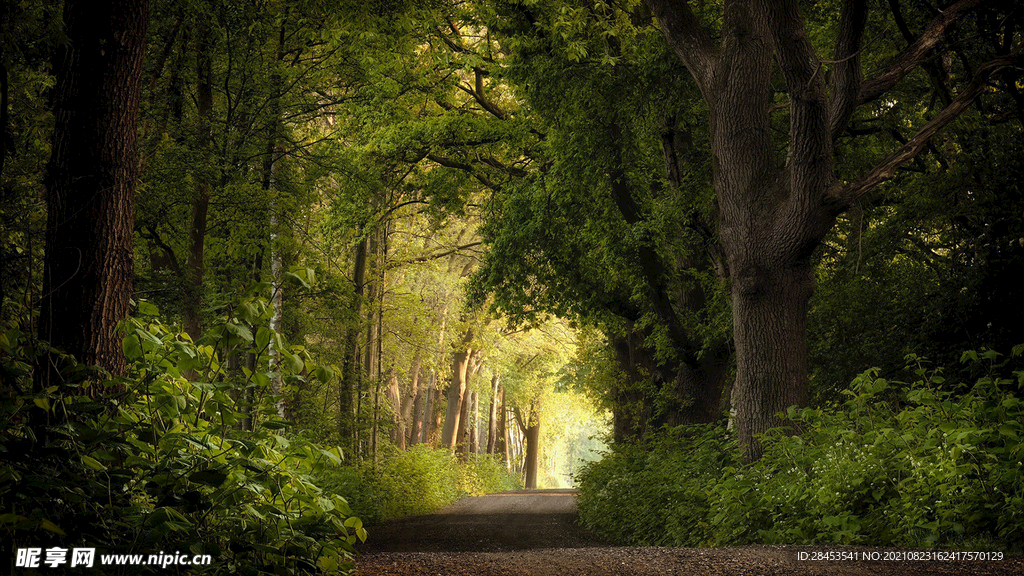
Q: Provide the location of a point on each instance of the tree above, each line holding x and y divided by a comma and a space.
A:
90, 182
776, 200
609, 225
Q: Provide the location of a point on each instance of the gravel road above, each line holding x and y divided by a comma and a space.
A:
533, 533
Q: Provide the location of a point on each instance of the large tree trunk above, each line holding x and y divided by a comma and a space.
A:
770, 326
90, 182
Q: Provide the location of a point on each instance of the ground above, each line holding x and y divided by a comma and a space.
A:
534, 533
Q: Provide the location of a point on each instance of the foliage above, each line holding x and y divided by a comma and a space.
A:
657, 493
418, 481
921, 464
168, 467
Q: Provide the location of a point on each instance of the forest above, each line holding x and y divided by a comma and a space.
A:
740, 271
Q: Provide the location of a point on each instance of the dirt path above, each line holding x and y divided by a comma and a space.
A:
533, 533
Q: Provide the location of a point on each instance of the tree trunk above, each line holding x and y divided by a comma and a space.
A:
474, 434
492, 415
456, 392
465, 413
411, 405
394, 396
428, 409
775, 209
271, 167
532, 439
351, 369
195, 266
90, 183
501, 438
770, 326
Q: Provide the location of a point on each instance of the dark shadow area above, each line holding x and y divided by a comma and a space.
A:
495, 523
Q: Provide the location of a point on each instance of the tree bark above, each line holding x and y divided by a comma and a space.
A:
456, 394
351, 380
465, 412
90, 183
501, 441
492, 417
412, 403
531, 441
394, 397
428, 409
195, 263
474, 416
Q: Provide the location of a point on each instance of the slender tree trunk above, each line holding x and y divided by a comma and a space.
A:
195, 266
428, 409
492, 415
456, 394
271, 167
351, 369
501, 439
465, 413
394, 397
409, 423
90, 183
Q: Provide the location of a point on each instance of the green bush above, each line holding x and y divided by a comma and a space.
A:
923, 464
157, 461
418, 481
656, 493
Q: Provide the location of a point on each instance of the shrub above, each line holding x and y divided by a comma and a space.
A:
164, 466
656, 493
928, 463
418, 481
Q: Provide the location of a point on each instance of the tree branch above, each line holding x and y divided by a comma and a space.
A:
448, 163
847, 74
433, 256
685, 36
917, 52
887, 168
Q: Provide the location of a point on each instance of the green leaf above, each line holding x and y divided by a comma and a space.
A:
248, 312
262, 337
93, 463
239, 331
323, 373
131, 348
51, 527
295, 280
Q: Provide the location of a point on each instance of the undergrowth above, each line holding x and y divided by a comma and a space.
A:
923, 464
185, 454
419, 481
